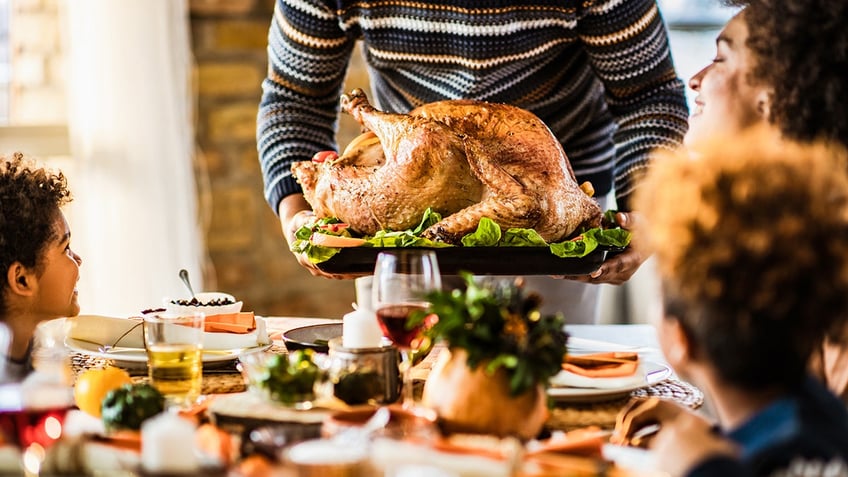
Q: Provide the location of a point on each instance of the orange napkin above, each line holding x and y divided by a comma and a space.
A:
242, 322
586, 441
602, 365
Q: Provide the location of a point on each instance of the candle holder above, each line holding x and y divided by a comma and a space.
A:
364, 375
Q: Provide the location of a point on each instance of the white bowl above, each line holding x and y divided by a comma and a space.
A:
204, 299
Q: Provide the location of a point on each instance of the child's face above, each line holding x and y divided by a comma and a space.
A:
57, 292
726, 102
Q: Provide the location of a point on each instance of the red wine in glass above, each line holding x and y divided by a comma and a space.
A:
402, 280
393, 321
24, 427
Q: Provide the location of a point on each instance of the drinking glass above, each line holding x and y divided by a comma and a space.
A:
402, 278
174, 344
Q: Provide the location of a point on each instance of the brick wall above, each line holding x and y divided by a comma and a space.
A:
248, 255
36, 83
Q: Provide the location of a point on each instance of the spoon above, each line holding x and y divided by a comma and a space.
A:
184, 277
353, 435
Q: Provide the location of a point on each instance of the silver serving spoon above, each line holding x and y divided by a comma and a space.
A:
184, 277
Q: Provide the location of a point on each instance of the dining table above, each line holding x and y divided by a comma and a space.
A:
228, 403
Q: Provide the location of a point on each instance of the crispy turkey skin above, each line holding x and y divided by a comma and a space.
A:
465, 159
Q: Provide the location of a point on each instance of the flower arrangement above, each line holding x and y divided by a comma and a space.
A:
500, 326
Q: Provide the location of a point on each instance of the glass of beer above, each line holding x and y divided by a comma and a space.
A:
174, 344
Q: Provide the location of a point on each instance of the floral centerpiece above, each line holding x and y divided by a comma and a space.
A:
501, 354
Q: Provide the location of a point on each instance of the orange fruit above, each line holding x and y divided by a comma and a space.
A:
93, 385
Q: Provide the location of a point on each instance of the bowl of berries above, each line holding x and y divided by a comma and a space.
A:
210, 303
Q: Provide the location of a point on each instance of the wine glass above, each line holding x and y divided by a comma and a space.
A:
402, 278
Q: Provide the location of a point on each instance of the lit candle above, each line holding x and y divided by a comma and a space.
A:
167, 444
361, 330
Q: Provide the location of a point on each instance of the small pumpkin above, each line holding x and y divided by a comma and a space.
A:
472, 401
501, 354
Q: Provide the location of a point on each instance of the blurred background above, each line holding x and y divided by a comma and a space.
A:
149, 108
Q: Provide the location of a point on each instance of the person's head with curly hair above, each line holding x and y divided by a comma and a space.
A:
40, 271
781, 62
751, 242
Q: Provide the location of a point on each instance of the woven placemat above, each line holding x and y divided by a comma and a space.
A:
679, 391
566, 417
213, 383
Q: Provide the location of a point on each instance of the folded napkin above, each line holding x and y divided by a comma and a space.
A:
586, 441
602, 365
241, 322
107, 330
127, 332
600, 371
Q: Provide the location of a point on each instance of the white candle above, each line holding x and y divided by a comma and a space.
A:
168, 444
363, 292
361, 330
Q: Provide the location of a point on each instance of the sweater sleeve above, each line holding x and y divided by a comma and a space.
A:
308, 55
628, 48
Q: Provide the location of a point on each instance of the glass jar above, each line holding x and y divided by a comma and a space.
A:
364, 375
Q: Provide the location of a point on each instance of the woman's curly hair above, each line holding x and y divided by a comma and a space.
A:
751, 240
30, 198
801, 50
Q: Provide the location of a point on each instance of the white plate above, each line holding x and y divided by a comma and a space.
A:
137, 357
654, 373
580, 345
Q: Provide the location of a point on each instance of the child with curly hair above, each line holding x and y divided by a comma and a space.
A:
751, 242
40, 271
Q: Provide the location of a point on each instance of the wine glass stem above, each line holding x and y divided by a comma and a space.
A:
408, 397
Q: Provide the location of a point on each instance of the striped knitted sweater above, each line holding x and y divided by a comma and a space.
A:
599, 73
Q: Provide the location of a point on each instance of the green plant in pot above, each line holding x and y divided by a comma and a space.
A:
501, 354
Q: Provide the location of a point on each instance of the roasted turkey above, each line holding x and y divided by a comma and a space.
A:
465, 159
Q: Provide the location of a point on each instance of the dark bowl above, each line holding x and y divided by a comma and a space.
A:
314, 337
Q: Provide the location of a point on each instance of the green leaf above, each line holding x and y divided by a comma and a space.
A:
516, 237
315, 253
609, 218
617, 237
405, 238
575, 248
506, 360
488, 234
430, 217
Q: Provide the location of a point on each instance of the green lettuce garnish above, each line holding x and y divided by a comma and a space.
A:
409, 238
405, 238
487, 234
316, 253
522, 238
430, 217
